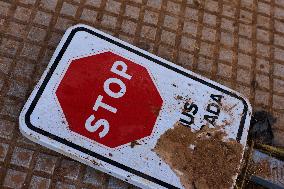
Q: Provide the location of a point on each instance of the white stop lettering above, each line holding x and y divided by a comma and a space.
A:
119, 68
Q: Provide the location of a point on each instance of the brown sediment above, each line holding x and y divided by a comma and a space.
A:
261, 169
95, 163
134, 143
178, 97
202, 159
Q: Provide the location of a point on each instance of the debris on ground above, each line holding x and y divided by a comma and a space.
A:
265, 161
266, 170
261, 127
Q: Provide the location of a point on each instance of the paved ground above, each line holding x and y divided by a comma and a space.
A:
237, 43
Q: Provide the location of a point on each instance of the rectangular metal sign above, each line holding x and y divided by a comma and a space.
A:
107, 103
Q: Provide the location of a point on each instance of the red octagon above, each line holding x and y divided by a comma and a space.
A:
109, 99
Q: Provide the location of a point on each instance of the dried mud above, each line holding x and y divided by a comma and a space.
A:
202, 159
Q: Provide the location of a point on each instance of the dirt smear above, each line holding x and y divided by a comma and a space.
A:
201, 159
134, 143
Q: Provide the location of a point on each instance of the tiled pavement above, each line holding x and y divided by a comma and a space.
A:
239, 43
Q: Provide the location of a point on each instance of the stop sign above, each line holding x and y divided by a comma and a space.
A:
101, 101
98, 94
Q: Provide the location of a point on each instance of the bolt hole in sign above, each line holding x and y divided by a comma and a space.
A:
107, 103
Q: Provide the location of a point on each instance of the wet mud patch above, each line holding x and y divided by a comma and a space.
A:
202, 159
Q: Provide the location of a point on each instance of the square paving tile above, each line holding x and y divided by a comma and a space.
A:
238, 44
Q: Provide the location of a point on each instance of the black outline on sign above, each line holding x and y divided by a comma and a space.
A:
94, 154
